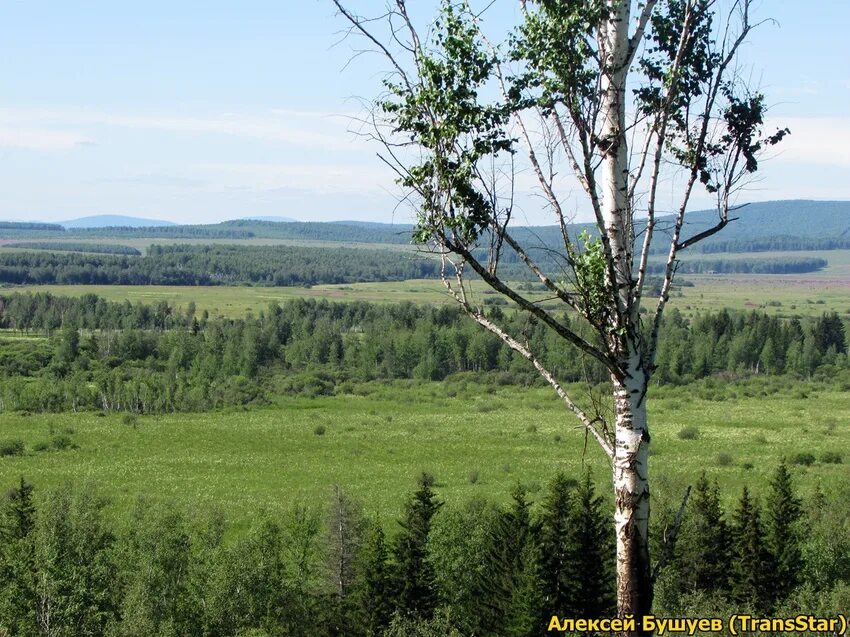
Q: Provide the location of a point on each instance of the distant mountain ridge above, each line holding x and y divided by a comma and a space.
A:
815, 222
106, 221
275, 219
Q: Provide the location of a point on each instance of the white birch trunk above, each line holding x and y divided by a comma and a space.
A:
614, 145
630, 476
631, 494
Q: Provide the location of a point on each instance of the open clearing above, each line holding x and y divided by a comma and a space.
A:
783, 295
477, 440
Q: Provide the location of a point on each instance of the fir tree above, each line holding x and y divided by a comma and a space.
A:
511, 600
753, 569
590, 547
784, 512
416, 592
703, 546
20, 511
373, 592
17, 562
556, 570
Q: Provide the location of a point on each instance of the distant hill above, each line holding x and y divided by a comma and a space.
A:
793, 218
772, 225
272, 218
104, 221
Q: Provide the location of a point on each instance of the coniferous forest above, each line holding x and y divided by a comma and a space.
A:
483, 569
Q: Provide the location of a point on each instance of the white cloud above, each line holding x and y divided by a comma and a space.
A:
814, 140
41, 138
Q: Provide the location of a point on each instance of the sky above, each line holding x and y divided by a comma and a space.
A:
198, 112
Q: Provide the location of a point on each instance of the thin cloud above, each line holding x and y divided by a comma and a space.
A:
814, 140
327, 131
42, 139
319, 178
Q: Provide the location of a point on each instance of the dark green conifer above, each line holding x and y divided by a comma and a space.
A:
783, 516
556, 571
17, 562
703, 545
414, 575
590, 549
752, 566
372, 594
511, 598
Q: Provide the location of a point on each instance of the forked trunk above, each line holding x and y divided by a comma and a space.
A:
631, 493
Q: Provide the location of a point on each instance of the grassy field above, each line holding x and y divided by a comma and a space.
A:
477, 440
783, 295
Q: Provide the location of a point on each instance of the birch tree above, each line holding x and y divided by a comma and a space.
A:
621, 96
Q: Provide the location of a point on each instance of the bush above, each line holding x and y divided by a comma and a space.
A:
319, 430
130, 419
688, 433
60, 443
831, 457
805, 459
12, 448
724, 459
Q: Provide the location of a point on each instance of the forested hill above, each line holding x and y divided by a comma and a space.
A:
792, 218
774, 225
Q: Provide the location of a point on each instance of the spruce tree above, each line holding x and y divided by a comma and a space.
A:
556, 570
416, 591
17, 562
703, 546
372, 594
510, 594
590, 547
752, 566
784, 513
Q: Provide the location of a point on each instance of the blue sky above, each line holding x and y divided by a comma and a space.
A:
199, 112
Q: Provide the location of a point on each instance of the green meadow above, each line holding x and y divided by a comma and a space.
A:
477, 440
782, 295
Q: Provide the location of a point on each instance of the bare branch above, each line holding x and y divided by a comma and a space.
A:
358, 23
699, 148
643, 20
497, 284
661, 134
590, 425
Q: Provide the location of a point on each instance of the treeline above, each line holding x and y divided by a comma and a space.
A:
248, 228
281, 265
93, 248
774, 244
217, 265
747, 342
776, 265
150, 358
212, 231
30, 226
781, 556
481, 569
